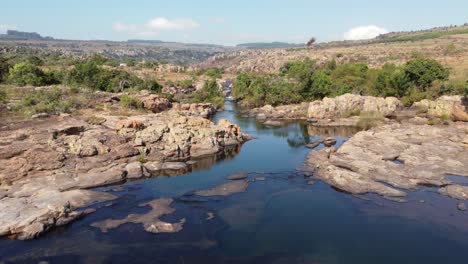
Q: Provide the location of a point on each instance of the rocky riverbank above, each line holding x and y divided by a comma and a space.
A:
392, 159
356, 110
48, 165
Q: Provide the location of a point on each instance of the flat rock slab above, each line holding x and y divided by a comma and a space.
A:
389, 159
225, 189
150, 221
28, 217
237, 176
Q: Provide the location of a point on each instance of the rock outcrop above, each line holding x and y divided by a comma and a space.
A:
202, 110
388, 159
454, 107
45, 163
154, 103
346, 104
268, 112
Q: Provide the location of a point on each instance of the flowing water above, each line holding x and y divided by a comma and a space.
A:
280, 219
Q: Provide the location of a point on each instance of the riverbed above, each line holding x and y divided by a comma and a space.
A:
284, 216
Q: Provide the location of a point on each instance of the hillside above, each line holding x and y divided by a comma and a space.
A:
450, 47
268, 45
153, 50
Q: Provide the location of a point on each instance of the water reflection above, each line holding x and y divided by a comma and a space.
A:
227, 154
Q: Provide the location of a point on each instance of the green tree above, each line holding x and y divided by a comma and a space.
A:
399, 84
26, 74
424, 71
209, 93
321, 85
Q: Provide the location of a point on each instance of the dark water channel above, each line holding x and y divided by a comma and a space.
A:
281, 219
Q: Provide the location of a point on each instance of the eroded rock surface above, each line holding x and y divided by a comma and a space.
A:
150, 221
389, 159
28, 217
455, 107
345, 104
51, 157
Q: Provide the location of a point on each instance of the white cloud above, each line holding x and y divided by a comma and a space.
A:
364, 32
154, 26
162, 23
4, 28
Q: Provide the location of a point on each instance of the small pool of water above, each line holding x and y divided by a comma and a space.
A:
281, 219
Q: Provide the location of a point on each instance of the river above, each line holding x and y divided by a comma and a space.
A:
279, 219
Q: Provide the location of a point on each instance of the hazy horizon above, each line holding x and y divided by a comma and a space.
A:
227, 22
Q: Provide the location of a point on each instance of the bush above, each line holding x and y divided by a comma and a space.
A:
91, 75
54, 100
424, 71
185, 84
26, 74
209, 93
127, 101
215, 73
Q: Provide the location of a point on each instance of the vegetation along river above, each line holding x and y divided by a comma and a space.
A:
283, 216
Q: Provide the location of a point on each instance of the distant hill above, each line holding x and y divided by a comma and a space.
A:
19, 35
153, 50
268, 45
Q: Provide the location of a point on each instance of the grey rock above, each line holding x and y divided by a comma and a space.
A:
237, 176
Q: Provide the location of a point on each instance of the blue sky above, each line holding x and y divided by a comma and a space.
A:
226, 22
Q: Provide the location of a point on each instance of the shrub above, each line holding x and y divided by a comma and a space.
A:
26, 74
49, 101
321, 85
127, 101
412, 96
209, 93
185, 84
215, 73
424, 71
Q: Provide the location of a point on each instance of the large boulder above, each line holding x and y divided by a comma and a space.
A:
455, 107
198, 109
154, 103
343, 105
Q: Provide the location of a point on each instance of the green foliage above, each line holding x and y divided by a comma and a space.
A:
185, 84
91, 75
321, 85
3, 95
425, 36
4, 68
424, 71
209, 93
27, 74
54, 100
215, 73
413, 95
130, 102
418, 79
